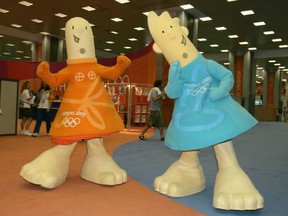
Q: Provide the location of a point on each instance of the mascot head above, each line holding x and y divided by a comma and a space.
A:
79, 39
171, 39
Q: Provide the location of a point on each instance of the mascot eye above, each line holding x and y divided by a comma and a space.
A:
171, 26
163, 31
86, 27
72, 27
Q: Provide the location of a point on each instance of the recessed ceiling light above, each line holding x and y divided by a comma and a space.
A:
252, 48
116, 19
132, 39
214, 45
277, 64
269, 32
3, 10
113, 32
19, 51
1, 36
45, 33
277, 40
36, 20
108, 50
233, 36
16, 25
61, 15
247, 12
11, 45
186, 6
6, 53
25, 3
231, 0
109, 42
145, 13
139, 28
127, 47
226, 63
259, 23
88, 8
221, 28
27, 42
202, 39
243, 43
283, 46
225, 50
27, 57
205, 18
122, 1
272, 61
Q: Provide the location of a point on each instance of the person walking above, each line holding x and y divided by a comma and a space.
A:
155, 119
26, 99
43, 109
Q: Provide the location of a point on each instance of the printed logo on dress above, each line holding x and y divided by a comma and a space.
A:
71, 122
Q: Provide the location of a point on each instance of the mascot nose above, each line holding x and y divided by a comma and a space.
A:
171, 33
80, 30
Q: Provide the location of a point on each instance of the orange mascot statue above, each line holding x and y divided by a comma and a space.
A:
86, 113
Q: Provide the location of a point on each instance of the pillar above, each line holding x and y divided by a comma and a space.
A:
52, 49
243, 80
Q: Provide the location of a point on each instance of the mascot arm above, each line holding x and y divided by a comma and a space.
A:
113, 72
174, 85
53, 80
225, 79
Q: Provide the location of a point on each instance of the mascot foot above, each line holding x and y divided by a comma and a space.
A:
50, 168
99, 167
181, 179
235, 191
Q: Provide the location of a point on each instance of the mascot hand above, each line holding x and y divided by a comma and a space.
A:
123, 61
43, 68
174, 71
218, 93
174, 85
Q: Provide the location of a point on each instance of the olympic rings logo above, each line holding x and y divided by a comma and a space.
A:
71, 122
195, 92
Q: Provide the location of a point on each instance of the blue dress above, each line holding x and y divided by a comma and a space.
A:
204, 113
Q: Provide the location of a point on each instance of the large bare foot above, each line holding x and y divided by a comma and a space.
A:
50, 168
234, 191
181, 179
99, 167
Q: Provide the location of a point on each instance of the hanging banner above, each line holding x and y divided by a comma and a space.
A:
238, 76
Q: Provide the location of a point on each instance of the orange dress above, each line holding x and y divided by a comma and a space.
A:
86, 110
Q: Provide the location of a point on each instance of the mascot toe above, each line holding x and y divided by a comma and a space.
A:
86, 113
204, 115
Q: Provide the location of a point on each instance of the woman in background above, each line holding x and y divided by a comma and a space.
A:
26, 99
43, 109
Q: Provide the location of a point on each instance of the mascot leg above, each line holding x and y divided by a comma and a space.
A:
99, 167
233, 189
184, 177
50, 168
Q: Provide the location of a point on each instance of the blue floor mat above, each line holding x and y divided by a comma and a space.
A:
262, 152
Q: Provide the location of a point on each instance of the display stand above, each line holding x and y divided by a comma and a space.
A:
130, 100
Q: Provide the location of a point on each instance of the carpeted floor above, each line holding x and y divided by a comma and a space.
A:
262, 152
75, 197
